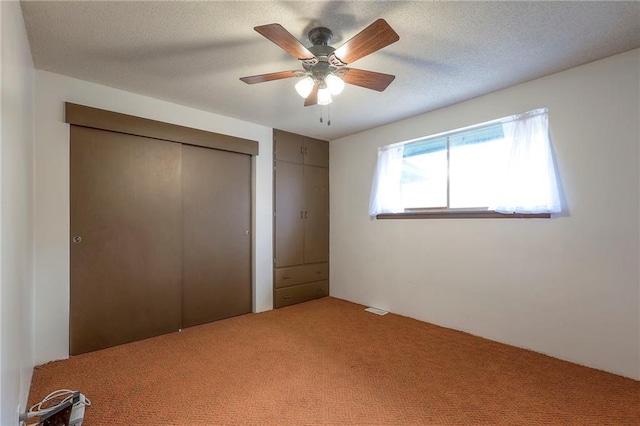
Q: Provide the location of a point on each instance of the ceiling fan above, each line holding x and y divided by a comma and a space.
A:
325, 68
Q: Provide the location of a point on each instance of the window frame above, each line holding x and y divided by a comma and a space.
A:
456, 213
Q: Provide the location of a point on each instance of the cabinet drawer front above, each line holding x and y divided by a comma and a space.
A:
301, 293
293, 275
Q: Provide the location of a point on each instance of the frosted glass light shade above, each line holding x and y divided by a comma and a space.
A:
334, 84
324, 96
304, 87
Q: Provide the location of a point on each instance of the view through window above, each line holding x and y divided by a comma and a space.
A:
457, 171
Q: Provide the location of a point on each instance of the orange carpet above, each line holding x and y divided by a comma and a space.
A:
327, 362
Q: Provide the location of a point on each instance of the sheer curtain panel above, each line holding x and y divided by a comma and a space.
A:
529, 185
386, 189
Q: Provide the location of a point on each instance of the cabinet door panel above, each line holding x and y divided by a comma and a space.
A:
316, 226
216, 212
316, 152
289, 208
126, 260
288, 146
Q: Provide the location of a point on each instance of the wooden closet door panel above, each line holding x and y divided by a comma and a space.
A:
126, 209
216, 214
316, 226
289, 210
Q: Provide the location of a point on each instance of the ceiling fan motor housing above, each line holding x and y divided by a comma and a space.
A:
320, 36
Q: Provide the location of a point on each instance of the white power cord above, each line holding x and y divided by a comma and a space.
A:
57, 398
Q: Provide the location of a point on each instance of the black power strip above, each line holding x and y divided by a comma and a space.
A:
61, 415
58, 417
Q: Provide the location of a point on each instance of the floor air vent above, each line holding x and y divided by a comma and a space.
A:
377, 311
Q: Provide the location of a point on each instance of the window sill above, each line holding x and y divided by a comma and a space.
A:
461, 215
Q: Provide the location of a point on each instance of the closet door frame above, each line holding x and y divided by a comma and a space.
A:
84, 116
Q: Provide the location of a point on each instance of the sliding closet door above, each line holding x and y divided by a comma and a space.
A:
216, 217
126, 238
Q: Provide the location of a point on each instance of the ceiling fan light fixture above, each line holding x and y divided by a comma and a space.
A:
324, 96
325, 66
305, 86
334, 83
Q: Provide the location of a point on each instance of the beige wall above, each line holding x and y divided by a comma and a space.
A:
16, 214
52, 193
568, 286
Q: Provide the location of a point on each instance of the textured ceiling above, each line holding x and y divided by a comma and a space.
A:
192, 53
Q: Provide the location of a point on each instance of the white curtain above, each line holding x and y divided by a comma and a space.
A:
529, 184
386, 190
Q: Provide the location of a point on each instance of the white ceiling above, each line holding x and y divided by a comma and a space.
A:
193, 53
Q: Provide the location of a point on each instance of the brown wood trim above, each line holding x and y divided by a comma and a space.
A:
85, 116
461, 215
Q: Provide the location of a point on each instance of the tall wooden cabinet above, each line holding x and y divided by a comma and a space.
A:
301, 218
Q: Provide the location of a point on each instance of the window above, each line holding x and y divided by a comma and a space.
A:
502, 166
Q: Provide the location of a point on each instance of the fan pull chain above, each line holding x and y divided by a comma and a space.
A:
328, 115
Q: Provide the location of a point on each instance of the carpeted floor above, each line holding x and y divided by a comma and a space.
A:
327, 362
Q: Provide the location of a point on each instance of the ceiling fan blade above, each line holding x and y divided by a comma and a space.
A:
373, 38
269, 77
312, 99
283, 38
368, 79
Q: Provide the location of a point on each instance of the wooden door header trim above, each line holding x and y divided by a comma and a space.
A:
80, 115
